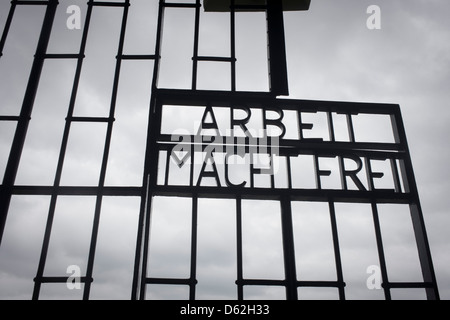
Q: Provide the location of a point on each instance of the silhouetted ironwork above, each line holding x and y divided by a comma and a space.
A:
396, 153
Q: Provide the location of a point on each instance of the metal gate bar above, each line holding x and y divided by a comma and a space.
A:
397, 152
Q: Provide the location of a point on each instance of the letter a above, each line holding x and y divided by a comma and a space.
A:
374, 280
74, 21
374, 21
211, 124
73, 281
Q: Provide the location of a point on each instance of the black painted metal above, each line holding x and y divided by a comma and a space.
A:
277, 49
27, 106
38, 280
404, 189
395, 151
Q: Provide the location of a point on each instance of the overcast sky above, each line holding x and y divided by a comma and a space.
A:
332, 55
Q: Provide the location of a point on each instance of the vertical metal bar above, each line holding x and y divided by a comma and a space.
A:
5, 193
146, 237
240, 272
101, 184
277, 48
331, 126
196, 41
288, 249
418, 222
342, 175
151, 170
167, 167
159, 35
289, 171
351, 131
25, 113
384, 274
140, 250
301, 125
252, 167
7, 26
423, 247
193, 273
317, 172
191, 172
233, 45
395, 175
141, 255
370, 182
63, 148
272, 170
337, 251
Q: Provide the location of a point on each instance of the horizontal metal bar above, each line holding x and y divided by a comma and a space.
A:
9, 118
180, 5
249, 7
199, 97
137, 57
408, 285
265, 99
261, 282
90, 119
77, 191
171, 281
24, 2
61, 279
268, 282
64, 56
350, 196
293, 147
322, 284
109, 4
212, 59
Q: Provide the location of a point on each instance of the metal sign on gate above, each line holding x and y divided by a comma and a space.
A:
228, 144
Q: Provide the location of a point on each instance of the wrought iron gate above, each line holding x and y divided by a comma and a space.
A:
292, 156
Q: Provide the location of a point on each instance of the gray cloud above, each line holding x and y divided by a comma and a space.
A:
332, 56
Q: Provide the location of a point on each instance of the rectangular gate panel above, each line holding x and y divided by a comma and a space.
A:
247, 147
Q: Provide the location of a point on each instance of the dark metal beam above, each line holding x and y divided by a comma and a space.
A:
25, 113
278, 75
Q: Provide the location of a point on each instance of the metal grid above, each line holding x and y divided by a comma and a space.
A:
404, 191
56, 190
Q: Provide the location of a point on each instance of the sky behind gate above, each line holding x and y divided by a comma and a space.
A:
332, 55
